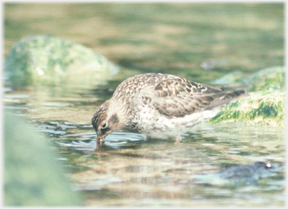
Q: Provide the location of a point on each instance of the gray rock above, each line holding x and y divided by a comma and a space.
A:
241, 175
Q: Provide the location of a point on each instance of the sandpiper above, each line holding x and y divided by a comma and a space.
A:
160, 106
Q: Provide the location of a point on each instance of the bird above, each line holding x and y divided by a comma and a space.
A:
160, 106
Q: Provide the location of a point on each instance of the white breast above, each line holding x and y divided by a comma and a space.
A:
155, 125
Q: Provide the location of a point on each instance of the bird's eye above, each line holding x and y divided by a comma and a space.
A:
104, 125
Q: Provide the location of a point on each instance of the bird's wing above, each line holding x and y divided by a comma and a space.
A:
178, 97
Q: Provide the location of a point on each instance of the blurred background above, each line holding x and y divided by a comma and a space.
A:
171, 37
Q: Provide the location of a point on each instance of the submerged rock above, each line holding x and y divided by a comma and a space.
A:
263, 108
241, 175
32, 175
48, 60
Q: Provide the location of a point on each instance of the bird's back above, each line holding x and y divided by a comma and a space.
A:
174, 96
132, 85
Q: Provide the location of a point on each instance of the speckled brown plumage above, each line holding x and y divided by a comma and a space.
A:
160, 105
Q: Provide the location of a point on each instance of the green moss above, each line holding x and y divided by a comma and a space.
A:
233, 78
48, 60
264, 105
268, 79
263, 108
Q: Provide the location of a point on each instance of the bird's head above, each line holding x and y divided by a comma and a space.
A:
106, 120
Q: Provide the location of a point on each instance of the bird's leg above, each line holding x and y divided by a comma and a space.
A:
100, 142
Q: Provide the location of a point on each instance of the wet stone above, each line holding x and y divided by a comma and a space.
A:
241, 175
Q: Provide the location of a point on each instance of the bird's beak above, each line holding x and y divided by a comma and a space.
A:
100, 139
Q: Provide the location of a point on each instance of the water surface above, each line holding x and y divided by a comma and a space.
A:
131, 170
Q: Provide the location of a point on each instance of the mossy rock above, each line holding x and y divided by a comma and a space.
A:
32, 175
49, 60
233, 78
268, 79
263, 108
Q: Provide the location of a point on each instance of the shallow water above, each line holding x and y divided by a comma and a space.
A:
131, 170
201, 42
